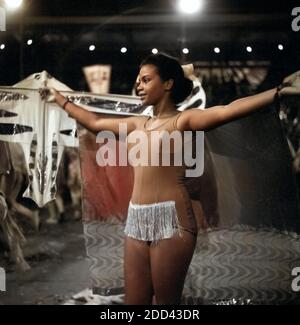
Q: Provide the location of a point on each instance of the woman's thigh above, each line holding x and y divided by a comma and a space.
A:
138, 282
170, 259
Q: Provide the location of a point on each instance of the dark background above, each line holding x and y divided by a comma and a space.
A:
63, 30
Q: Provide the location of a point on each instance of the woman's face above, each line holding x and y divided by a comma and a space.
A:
150, 87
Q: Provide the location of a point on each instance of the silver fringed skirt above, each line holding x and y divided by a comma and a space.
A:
152, 222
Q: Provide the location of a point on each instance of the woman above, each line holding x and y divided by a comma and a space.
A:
161, 229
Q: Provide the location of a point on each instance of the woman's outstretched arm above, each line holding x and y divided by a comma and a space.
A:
210, 118
94, 122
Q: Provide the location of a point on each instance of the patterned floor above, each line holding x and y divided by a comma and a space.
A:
238, 265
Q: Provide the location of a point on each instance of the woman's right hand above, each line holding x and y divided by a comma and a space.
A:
51, 95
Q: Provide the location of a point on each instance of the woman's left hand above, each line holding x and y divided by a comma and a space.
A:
290, 85
188, 70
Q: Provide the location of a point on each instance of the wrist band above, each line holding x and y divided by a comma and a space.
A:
281, 86
277, 96
65, 103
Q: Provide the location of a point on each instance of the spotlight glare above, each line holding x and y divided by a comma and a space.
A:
92, 47
154, 51
280, 47
123, 50
217, 50
13, 4
2, 46
249, 49
29, 42
185, 50
189, 6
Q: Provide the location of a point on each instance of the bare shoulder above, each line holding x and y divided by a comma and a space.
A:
183, 122
137, 120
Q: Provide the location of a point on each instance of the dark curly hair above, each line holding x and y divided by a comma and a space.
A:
169, 68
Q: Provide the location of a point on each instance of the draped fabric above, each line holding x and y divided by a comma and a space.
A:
40, 128
252, 244
43, 129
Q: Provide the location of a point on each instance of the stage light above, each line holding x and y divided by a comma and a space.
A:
123, 50
280, 47
185, 50
154, 51
249, 49
92, 47
217, 50
13, 4
2, 46
189, 6
29, 42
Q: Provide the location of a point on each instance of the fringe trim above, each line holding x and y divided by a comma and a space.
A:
152, 222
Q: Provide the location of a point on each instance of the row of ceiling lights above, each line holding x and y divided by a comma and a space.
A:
124, 50
185, 50
186, 6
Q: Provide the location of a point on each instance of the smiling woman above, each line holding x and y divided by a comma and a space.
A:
162, 77
161, 226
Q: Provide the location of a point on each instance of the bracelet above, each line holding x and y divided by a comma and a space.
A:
277, 96
280, 87
65, 103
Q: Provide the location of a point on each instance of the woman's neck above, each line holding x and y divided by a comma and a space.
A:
164, 109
